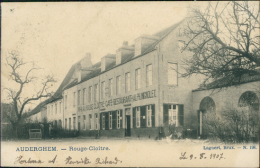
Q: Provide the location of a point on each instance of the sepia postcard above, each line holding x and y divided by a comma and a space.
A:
130, 84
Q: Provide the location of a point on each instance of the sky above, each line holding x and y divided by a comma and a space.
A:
56, 35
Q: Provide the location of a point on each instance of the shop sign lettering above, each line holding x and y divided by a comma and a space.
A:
120, 100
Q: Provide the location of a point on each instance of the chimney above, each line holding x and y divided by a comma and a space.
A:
86, 61
106, 61
143, 42
123, 52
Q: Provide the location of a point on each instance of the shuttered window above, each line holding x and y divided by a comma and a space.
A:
143, 116
137, 117
119, 119
110, 120
102, 121
84, 121
153, 115
90, 121
107, 121
97, 121
173, 114
149, 115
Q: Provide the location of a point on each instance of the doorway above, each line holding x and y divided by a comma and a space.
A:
127, 122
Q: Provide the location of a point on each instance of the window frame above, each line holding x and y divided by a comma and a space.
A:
74, 123
110, 120
56, 108
127, 82
149, 115
70, 123
103, 89
83, 96
118, 119
118, 84
137, 78
90, 121
173, 112
66, 98
97, 121
84, 122
79, 94
138, 116
103, 122
60, 106
90, 94
74, 99
111, 84
149, 75
96, 93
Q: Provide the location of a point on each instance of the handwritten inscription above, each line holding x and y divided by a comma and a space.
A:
20, 160
201, 156
69, 160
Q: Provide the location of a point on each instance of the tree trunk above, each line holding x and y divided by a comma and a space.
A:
14, 132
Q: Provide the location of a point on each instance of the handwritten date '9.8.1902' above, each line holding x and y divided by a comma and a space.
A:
201, 156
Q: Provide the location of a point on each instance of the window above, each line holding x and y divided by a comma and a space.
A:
149, 75
172, 74
84, 121
103, 121
74, 123
65, 101
137, 78
90, 119
60, 107
172, 115
78, 122
111, 87
90, 94
79, 92
110, 120
103, 87
96, 93
69, 123
65, 123
74, 98
249, 100
96, 121
149, 115
83, 96
60, 124
119, 118
56, 108
137, 117
118, 85
127, 82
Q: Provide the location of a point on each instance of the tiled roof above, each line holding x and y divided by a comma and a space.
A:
229, 81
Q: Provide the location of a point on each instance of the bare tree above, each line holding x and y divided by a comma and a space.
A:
18, 101
224, 40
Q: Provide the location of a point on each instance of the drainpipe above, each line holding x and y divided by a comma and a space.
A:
159, 111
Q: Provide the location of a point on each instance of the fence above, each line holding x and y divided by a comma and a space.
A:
35, 134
